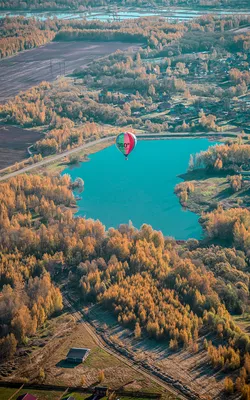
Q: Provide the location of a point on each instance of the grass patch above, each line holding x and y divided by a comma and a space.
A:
78, 396
211, 190
207, 194
99, 358
58, 166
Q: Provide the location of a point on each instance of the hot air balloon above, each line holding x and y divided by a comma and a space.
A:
126, 142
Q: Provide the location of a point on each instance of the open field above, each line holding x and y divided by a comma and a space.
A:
14, 143
46, 63
48, 349
210, 190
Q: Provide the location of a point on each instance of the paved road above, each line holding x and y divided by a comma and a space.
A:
49, 160
79, 316
56, 157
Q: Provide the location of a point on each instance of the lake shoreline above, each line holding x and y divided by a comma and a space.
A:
141, 137
163, 208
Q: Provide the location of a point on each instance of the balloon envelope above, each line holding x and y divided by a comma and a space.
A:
126, 142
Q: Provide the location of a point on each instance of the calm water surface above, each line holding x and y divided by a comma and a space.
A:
140, 189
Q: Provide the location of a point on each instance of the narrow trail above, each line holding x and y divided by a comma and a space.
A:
79, 317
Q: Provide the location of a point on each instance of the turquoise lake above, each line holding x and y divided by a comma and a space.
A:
141, 189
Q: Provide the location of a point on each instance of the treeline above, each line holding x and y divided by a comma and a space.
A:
28, 297
71, 118
232, 226
19, 34
152, 285
153, 31
232, 156
26, 306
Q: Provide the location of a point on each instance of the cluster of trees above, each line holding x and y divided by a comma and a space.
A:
60, 107
239, 76
35, 241
155, 32
235, 182
208, 122
28, 297
152, 285
183, 190
230, 268
26, 306
232, 156
19, 34
170, 293
230, 225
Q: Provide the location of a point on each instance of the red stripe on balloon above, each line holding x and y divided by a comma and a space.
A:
132, 142
127, 141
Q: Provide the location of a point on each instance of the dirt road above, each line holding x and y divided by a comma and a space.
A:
79, 316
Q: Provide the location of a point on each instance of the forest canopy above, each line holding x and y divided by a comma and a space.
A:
152, 285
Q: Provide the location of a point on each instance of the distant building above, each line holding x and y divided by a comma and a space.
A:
27, 396
164, 106
77, 355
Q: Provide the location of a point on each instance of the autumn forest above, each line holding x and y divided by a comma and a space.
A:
184, 79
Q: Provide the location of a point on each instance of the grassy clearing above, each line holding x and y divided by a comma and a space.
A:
154, 114
56, 338
78, 396
213, 190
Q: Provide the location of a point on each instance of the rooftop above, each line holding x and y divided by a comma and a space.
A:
76, 352
26, 396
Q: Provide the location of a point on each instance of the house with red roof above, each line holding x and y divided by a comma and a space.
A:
27, 396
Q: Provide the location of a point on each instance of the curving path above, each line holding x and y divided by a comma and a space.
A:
99, 340
49, 160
